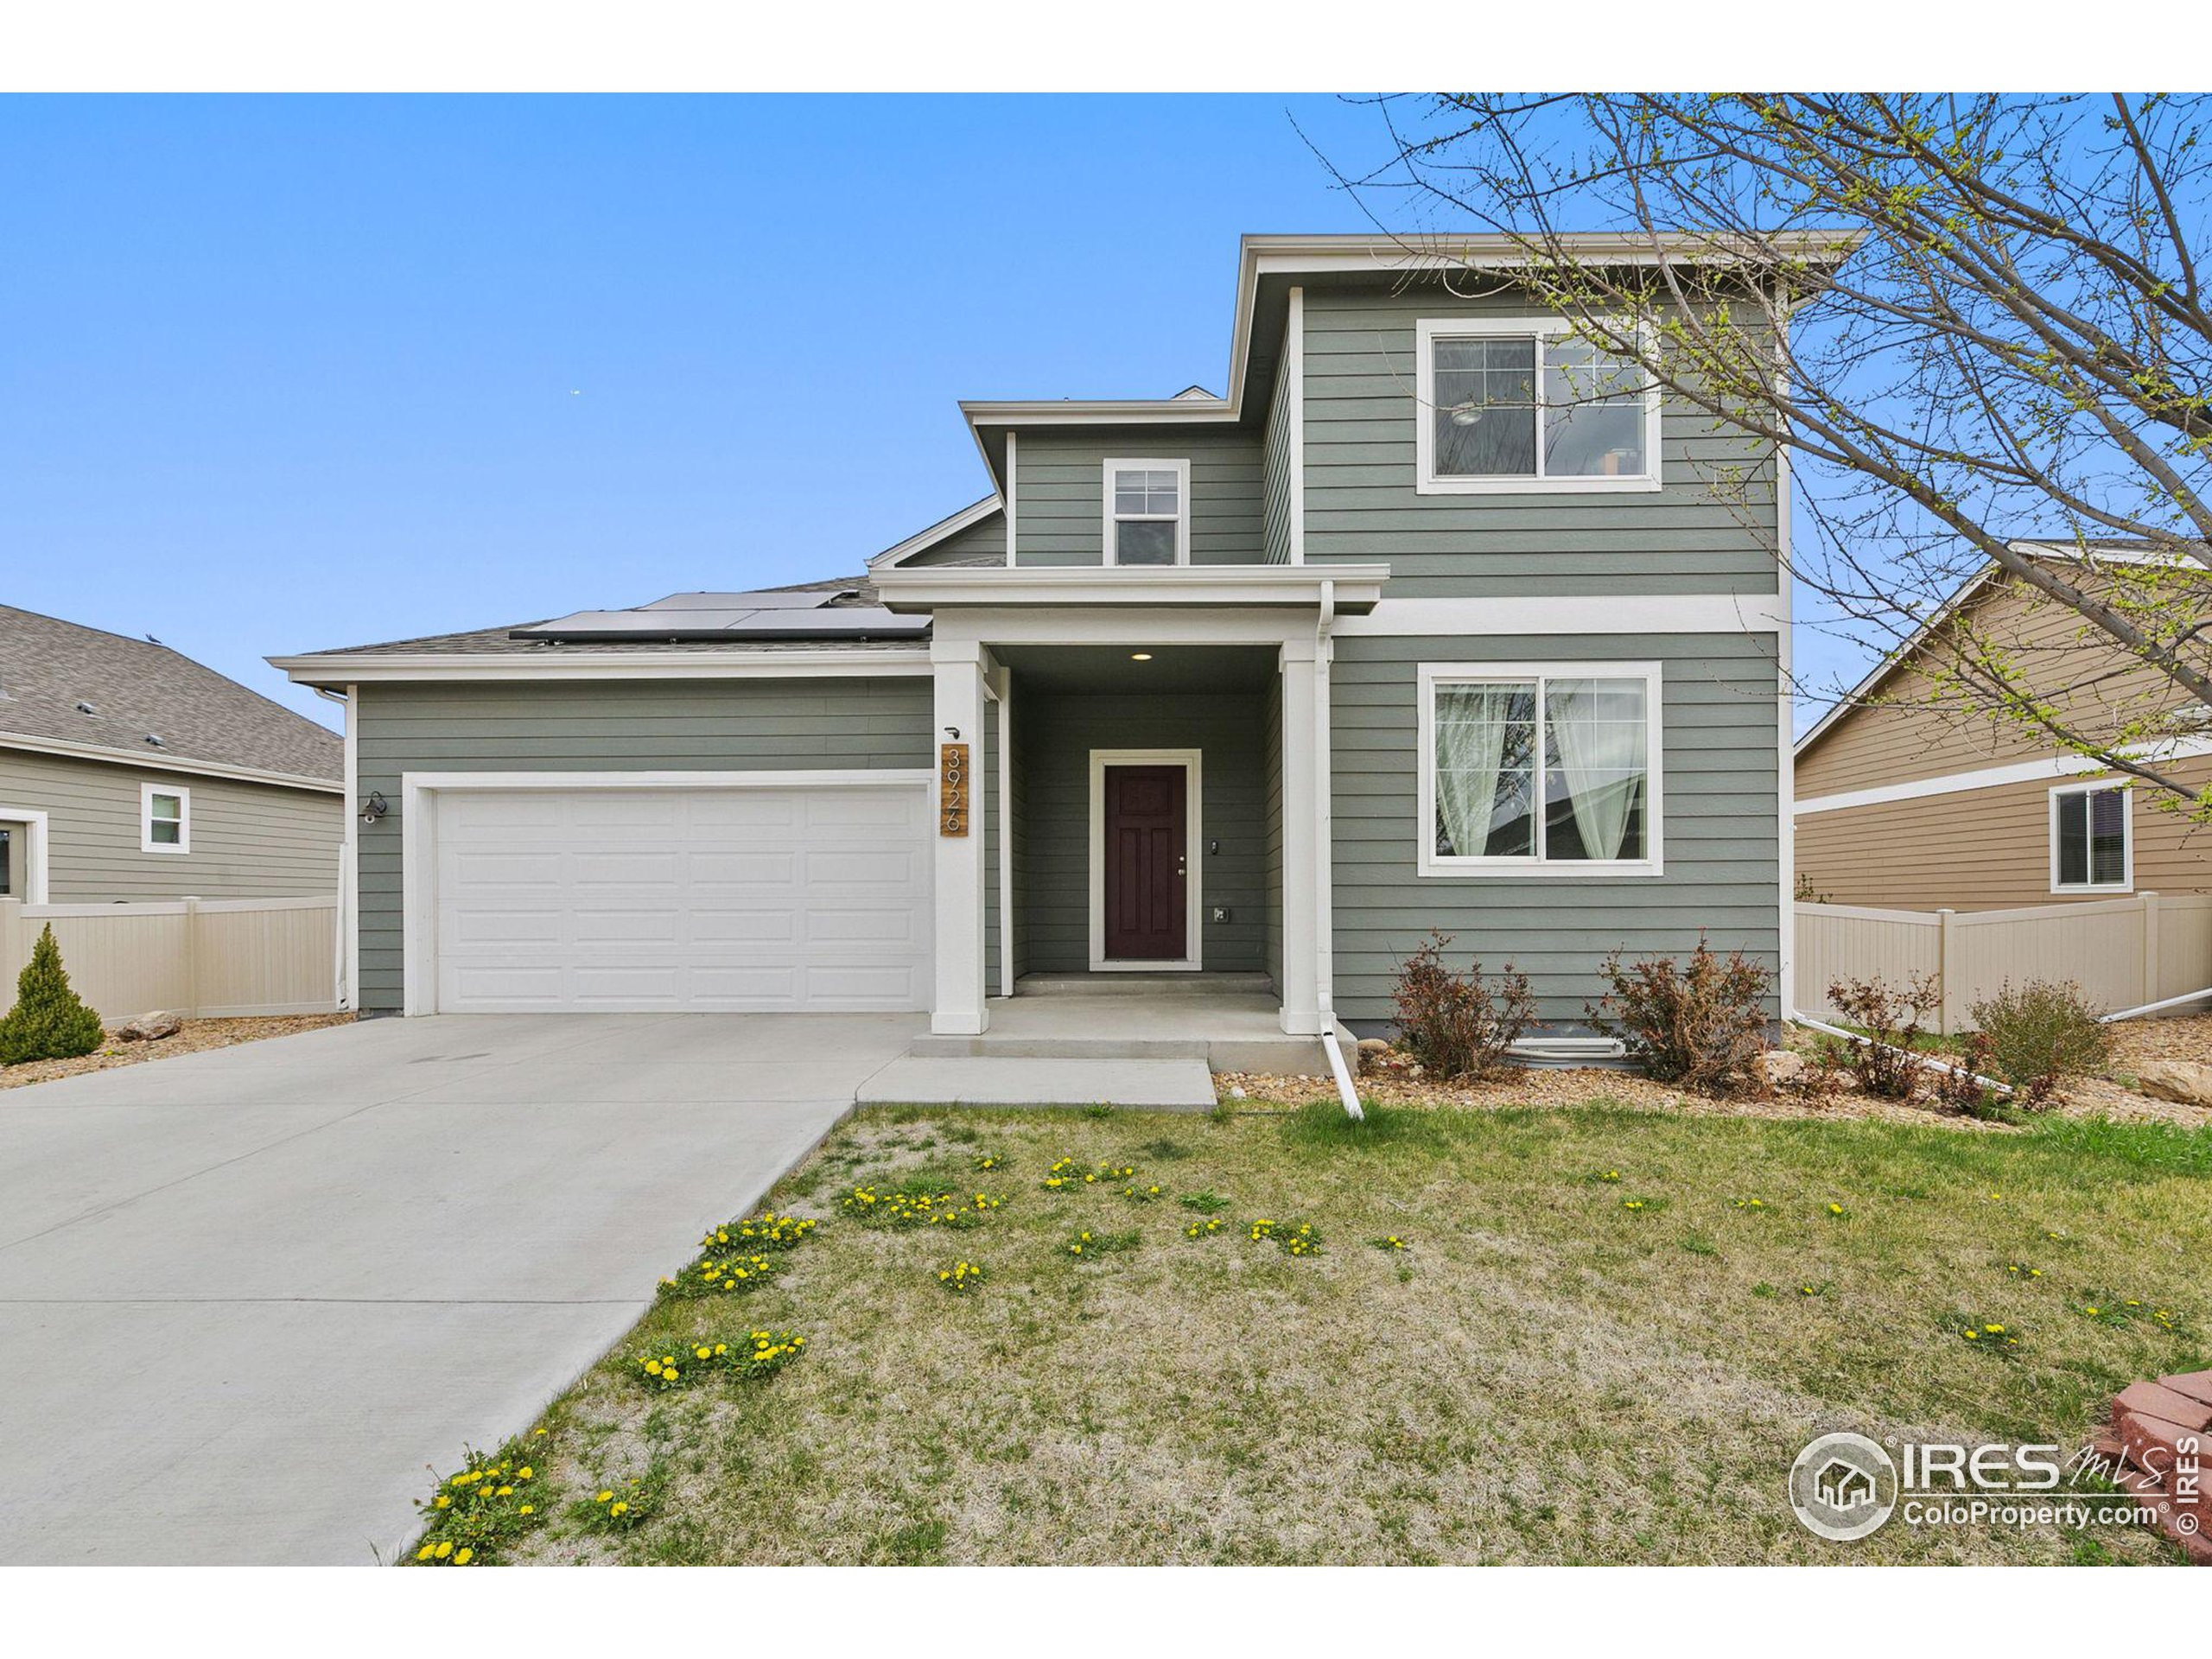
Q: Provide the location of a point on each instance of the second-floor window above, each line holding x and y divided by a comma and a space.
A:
1520, 404
1148, 512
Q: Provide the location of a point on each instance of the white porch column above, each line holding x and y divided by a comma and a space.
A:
959, 875
1302, 850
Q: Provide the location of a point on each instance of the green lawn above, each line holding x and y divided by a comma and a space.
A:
1547, 1374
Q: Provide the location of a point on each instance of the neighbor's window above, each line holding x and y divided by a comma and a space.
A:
1147, 511
1537, 767
2088, 839
1522, 405
165, 816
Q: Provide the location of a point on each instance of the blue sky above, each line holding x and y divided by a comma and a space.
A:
278, 375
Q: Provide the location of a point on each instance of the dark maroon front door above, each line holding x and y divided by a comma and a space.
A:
1144, 851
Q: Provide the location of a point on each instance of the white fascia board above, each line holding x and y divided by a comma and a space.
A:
1357, 587
2023, 772
343, 669
974, 514
1633, 614
159, 762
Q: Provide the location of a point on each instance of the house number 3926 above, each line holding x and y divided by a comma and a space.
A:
952, 789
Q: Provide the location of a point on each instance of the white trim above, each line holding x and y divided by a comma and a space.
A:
937, 588
342, 668
33, 821
974, 514
1542, 329
418, 837
1193, 858
1294, 365
2023, 772
1012, 495
1003, 681
2126, 882
1429, 863
349, 857
182, 796
959, 1002
1301, 859
162, 762
1180, 518
1627, 614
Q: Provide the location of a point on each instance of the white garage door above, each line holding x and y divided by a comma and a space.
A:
738, 899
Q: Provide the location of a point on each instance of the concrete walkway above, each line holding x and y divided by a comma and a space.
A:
249, 1298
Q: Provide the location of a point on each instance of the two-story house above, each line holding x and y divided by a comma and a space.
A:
1434, 621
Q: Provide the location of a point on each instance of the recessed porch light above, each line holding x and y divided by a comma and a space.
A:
1139, 656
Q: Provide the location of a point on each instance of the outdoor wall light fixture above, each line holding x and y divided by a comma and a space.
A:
374, 807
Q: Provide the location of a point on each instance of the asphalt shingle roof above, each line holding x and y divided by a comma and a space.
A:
136, 689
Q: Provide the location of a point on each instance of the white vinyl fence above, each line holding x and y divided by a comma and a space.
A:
2122, 952
195, 956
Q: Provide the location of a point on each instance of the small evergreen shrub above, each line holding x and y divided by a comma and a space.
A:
1459, 1024
49, 1021
1891, 1015
1702, 1023
2041, 1033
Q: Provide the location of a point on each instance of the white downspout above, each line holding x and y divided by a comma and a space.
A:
1325, 965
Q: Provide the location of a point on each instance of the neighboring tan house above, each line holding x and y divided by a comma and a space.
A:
127, 772
1909, 798
1432, 621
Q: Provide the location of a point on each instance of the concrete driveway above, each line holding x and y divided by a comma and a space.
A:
250, 1297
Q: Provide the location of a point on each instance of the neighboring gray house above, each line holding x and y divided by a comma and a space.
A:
1255, 684
127, 772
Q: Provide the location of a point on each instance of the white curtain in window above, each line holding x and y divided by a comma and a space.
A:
1598, 730
1470, 728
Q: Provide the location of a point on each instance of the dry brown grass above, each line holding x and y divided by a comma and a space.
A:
1545, 1376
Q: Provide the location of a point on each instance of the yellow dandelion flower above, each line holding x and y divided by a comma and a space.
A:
462, 1556
444, 1550
604, 1497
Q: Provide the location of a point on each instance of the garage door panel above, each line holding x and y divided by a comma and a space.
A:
733, 899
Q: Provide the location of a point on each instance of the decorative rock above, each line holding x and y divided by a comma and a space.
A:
151, 1027
1236, 1092
2189, 1082
1377, 1046
1784, 1065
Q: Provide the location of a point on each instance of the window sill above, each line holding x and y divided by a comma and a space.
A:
1642, 484
2122, 890
1479, 869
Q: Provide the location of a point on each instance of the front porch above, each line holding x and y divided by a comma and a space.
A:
1126, 1039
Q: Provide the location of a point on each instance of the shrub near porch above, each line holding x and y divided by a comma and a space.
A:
1584, 1336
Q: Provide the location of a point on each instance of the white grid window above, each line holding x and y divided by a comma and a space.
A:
1147, 511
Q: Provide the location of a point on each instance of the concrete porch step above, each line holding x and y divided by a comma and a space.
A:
1182, 1084
1143, 985
1276, 1051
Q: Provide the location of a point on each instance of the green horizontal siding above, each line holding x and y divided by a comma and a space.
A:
615, 726
1055, 733
1362, 504
981, 542
1060, 492
1719, 826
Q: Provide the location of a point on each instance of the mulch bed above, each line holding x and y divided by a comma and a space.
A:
1392, 1080
196, 1034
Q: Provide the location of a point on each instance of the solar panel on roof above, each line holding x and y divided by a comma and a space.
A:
715, 616
802, 600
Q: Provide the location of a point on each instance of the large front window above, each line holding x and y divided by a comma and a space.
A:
1537, 767
1526, 405
1147, 511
